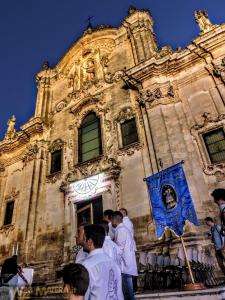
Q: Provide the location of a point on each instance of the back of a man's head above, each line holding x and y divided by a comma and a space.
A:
105, 225
10, 266
108, 213
77, 278
96, 233
218, 195
117, 218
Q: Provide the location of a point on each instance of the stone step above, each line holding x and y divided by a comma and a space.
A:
217, 293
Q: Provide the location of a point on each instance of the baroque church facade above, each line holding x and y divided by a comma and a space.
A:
114, 110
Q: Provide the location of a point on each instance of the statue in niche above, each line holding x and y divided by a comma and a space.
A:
202, 19
11, 131
89, 71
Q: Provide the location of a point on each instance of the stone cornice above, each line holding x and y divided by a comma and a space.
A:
173, 63
32, 127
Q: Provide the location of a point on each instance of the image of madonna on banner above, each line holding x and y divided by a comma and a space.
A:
170, 199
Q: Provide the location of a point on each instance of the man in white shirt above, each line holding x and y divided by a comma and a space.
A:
111, 248
126, 221
107, 216
125, 241
80, 240
105, 276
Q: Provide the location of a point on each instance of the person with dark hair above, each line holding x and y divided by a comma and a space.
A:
218, 241
81, 254
105, 276
75, 280
107, 216
125, 241
219, 198
9, 278
111, 248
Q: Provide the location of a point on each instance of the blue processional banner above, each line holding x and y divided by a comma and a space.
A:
171, 201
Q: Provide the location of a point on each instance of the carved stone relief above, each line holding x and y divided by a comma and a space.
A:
30, 153
219, 71
156, 97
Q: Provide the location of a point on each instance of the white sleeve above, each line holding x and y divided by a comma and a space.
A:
121, 239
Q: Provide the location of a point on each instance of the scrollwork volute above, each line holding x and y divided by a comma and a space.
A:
30, 153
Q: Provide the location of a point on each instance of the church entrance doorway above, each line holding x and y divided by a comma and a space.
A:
90, 211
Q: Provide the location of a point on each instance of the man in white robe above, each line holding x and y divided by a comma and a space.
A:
125, 241
126, 221
107, 216
111, 248
105, 276
81, 254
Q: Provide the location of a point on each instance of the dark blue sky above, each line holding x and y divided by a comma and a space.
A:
32, 31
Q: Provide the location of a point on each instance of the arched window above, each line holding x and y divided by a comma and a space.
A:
90, 145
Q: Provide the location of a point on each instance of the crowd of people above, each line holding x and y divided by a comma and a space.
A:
217, 231
106, 260
105, 266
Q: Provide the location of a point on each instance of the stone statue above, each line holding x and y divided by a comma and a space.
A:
202, 19
90, 70
11, 131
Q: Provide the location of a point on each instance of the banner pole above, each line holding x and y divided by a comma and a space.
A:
187, 260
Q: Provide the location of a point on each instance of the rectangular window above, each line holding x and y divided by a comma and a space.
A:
215, 144
129, 132
56, 161
9, 213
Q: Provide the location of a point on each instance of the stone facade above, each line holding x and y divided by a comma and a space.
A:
120, 74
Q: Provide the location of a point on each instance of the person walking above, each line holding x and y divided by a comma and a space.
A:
125, 241
105, 276
218, 241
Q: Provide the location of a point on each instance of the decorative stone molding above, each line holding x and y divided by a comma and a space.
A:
6, 229
12, 195
56, 145
113, 78
130, 150
219, 71
125, 114
208, 123
52, 178
61, 105
30, 153
157, 97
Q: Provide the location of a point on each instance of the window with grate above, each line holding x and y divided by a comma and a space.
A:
9, 213
56, 161
129, 132
215, 144
90, 145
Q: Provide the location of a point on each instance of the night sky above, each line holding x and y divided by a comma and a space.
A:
32, 32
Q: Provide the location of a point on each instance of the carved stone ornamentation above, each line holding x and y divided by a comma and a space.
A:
219, 71
56, 145
30, 154
12, 195
11, 131
61, 105
130, 150
52, 178
125, 114
113, 78
202, 19
6, 229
